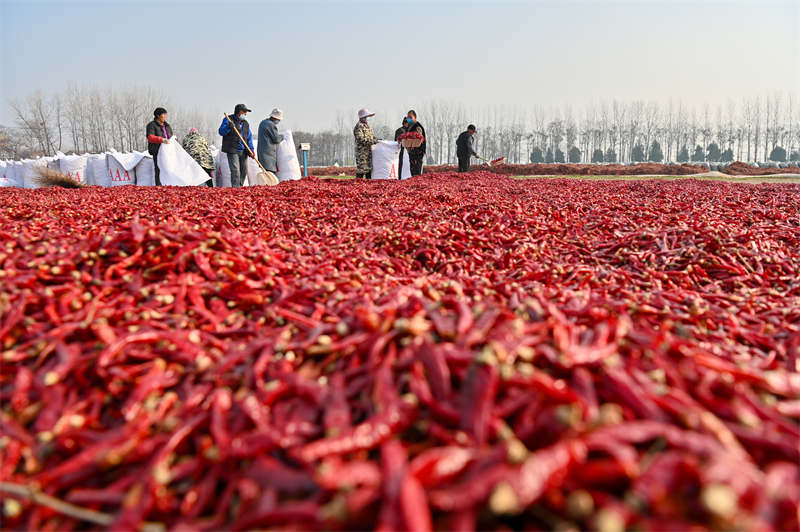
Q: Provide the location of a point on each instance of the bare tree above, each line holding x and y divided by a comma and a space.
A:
707, 130
747, 124
757, 123
652, 125
635, 117
790, 123
776, 132
618, 115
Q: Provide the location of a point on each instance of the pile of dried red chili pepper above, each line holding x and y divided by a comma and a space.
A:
411, 135
449, 353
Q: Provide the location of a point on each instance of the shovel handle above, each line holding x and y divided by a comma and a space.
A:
233, 127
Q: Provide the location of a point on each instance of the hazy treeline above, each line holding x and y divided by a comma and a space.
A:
616, 131
88, 118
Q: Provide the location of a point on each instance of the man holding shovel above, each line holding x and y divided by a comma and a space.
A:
464, 149
233, 132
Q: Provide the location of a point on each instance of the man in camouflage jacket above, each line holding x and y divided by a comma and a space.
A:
364, 142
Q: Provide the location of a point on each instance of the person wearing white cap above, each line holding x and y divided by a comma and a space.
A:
268, 140
364, 141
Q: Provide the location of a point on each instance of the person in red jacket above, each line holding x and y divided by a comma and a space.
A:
158, 133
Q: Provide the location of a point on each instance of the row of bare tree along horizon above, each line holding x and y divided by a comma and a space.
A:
92, 119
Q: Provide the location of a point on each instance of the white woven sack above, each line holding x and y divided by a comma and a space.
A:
385, 159
214, 154
178, 168
288, 165
146, 172
223, 170
9, 172
29, 171
89, 170
100, 170
406, 173
74, 166
252, 168
53, 164
117, 173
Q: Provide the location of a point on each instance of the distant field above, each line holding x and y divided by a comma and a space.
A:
754, 179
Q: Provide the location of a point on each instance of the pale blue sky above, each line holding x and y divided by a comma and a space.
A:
312, 58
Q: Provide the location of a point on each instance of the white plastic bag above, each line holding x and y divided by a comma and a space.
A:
288, 165
385, 159
74, 166
146, 172
5, 183
100, 170
178, 168
406, 173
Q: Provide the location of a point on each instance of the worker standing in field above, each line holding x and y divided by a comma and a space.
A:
365, 139
464, 149
196, 145
416, 155
268, 140
399, 131
158, 132
232, 146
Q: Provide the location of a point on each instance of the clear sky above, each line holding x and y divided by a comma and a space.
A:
312, 58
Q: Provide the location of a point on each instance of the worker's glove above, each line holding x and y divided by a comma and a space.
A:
251, 154
165, 141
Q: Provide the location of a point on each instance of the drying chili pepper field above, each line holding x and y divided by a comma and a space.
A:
452, 352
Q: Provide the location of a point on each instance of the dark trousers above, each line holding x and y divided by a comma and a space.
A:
210, 182
400, 166
237, 162
158, 173
368, 175
415, 162
463, 164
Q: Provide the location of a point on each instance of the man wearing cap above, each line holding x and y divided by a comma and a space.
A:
268, 140
364, 142
158, 133
232, 146
464, 149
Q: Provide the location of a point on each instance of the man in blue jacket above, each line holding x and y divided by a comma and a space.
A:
232, 146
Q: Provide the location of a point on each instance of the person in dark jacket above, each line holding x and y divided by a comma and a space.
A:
232, 146
158, 133
416, 155
196, 145
464, 149
268, 140
399, 131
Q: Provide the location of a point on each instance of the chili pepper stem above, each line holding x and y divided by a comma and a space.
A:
70, 510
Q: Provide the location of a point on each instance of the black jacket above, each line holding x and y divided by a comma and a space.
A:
231, 142
154, 128
422, 149
464, 145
